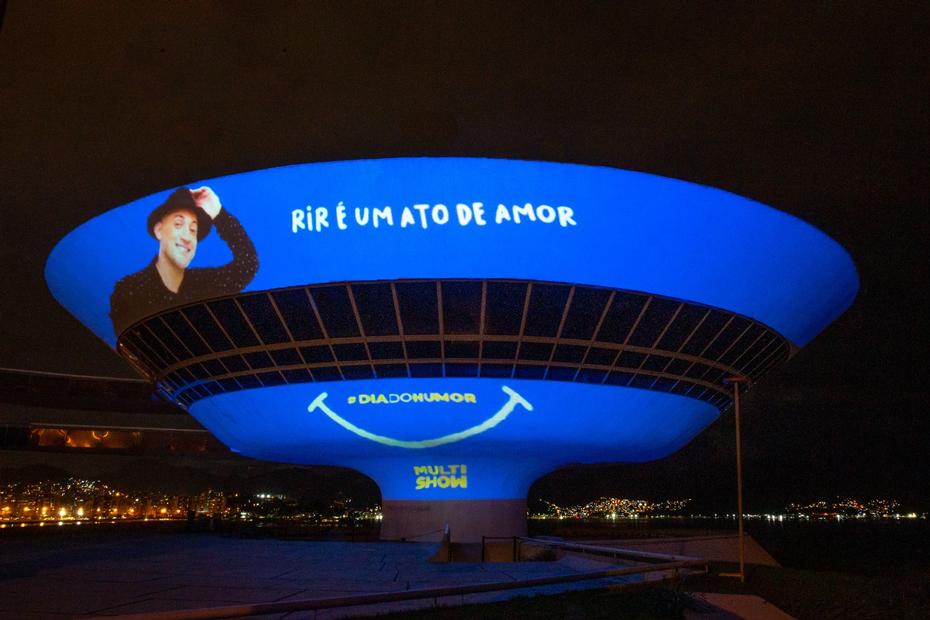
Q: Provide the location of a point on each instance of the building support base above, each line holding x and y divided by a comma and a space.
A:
468, 520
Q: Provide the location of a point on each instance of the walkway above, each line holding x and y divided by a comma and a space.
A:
63, 577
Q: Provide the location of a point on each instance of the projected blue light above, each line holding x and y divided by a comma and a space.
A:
452, 218
453, 438
437, 219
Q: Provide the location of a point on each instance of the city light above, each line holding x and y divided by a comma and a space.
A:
76, 500
612, 508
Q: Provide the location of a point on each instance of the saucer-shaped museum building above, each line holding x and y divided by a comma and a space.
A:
452, 328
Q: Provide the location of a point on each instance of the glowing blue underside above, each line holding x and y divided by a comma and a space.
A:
568, 423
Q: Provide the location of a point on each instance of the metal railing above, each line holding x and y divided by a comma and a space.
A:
618, 553
516, 544
444, 554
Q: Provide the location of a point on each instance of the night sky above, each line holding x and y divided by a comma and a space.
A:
821, 111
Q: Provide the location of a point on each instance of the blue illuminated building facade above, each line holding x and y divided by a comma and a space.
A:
453, 328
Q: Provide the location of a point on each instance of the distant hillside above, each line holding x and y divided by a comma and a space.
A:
33, 473
140, 475
144, 475
307, 483
312, 483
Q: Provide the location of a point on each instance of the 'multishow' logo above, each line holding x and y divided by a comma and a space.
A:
441, 476
412, 397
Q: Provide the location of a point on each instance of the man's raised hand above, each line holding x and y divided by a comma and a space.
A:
206, 199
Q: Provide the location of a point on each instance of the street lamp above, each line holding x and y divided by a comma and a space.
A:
735, 382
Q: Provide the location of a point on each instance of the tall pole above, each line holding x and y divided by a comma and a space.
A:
735, 382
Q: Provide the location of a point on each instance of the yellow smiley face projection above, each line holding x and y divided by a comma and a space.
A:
513, 399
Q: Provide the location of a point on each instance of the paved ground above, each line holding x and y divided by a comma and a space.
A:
719, 548
58, 577
735, 606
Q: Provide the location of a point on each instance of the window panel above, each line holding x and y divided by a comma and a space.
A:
461, 370
317, 354
183, 331
681, 327
418, 307
706, 332
294, 306
326, 373
386, 351
461, 349
630, 359
547, 303
750, 336
586, 375
258, 359
496, 370
461, 306
529, 372
426, 349
350, 352
387, 371
500, 350
227, 313
263, 317
620, 317
375, 305
354, 372
535, 351
178, 350
616, 377
584, 313
726, 338
561, 373
569, 353
600, 357
425, 370
653, 322
296, 375
234, 363
286, 357
504, 308
332, 302
205, 325
269, 379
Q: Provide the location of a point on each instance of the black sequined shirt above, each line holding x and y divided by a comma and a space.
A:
143, 293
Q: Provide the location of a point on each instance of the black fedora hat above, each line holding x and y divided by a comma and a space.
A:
181, 199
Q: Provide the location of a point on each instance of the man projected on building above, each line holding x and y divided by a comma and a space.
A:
178, 225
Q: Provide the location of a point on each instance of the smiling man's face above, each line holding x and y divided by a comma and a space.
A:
177, 237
